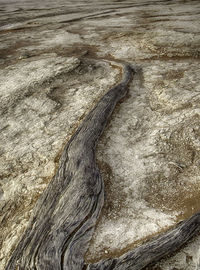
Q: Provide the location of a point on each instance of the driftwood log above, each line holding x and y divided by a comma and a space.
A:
62, 225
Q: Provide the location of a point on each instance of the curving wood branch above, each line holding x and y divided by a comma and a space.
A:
63, 221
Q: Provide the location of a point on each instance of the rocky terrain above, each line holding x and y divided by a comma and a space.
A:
56, 60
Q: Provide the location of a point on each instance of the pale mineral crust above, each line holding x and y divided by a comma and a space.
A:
53, 71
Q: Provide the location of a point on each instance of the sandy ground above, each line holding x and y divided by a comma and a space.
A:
54, 65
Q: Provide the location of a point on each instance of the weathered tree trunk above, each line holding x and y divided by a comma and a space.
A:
66, 213
62, 224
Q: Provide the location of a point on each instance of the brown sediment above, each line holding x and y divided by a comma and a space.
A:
181, 197
185, 200
116, 253
184, 203
177, 192
13, 51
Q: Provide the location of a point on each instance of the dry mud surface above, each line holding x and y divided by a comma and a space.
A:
56, 61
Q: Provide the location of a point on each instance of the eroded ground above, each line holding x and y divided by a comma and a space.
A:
53, 72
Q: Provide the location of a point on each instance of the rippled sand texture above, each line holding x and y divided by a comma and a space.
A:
51, 75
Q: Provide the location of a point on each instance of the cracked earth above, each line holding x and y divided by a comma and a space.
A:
56, 61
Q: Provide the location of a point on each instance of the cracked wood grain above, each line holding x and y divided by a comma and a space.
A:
64, 217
